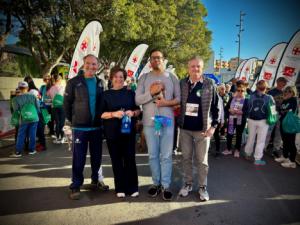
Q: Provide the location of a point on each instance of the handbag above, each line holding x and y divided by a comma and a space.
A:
291, 123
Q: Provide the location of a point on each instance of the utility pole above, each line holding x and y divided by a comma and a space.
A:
241, 29
221, 56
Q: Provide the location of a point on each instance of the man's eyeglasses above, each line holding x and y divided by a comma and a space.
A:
156, 57
240, 90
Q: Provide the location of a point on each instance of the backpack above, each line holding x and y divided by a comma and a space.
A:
29, 113
58, 101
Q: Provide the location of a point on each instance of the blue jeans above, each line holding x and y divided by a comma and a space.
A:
160, 154
26, 130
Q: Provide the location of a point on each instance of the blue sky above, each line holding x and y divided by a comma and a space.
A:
267, 23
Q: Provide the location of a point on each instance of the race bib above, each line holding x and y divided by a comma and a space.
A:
192, 109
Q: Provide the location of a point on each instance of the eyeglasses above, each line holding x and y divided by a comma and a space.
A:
288, 91
156, 57
240, 90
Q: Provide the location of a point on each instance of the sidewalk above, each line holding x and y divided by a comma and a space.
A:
34, 190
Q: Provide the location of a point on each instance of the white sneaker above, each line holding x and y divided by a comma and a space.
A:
203, 194
121, 195
236, 154
281, 159
57, 141
227, 152
185, 190
289, 164
135, 194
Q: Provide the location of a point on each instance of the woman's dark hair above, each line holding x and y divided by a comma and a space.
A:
30, 82
56, 77
115, 70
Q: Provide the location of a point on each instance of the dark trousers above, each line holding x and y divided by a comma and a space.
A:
122, 153
50, 124
239, 133
81, 141
40, 133
217, 137
59, 118
289, 146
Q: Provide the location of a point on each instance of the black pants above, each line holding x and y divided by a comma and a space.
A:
122, 154
217, 137
289, 146
40, 132
82, 141
59, 118
239, 133
50, 124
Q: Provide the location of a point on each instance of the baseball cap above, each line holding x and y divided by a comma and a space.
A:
22, 84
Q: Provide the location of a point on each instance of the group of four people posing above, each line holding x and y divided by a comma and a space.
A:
88, 107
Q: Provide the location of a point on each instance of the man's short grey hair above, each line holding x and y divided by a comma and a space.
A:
91, 55
198, 58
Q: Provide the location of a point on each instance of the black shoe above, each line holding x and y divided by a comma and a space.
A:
99, 185
217, 154
167, 194
154, 190
75, 194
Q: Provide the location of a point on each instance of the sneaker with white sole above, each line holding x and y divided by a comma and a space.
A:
135, 194
227, 152
203, 193
185, 190
281, 159
236, 154
289, 164
259, 162
121, 195
32, 152
16, 155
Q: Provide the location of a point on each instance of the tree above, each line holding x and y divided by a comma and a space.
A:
51, 28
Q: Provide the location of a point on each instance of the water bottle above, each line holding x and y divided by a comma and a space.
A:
126, 125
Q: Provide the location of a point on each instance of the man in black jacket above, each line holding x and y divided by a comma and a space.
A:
82, 107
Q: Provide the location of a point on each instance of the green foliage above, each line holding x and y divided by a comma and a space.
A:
27, 66
51, 28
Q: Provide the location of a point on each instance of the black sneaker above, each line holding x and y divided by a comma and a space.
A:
99, 185
75, 194
154, 190
167, 194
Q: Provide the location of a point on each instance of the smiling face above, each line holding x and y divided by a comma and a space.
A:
90, 66
118, 80
195, 68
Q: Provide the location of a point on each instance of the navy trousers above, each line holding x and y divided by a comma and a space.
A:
82, 140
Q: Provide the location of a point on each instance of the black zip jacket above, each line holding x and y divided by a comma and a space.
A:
76, 103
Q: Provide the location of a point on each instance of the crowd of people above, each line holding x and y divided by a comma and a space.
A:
195, 105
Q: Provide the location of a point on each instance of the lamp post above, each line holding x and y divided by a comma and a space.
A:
241, 29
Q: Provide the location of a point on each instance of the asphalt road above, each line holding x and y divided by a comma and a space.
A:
34, 190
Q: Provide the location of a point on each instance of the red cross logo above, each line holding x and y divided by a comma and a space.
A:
288, 71
296, 51
267, 76
135, 59
84, 45
272, 61
130, 73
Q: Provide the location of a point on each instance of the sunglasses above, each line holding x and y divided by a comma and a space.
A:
288, 92
240, 90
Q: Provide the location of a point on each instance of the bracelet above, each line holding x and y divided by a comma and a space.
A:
111, 114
